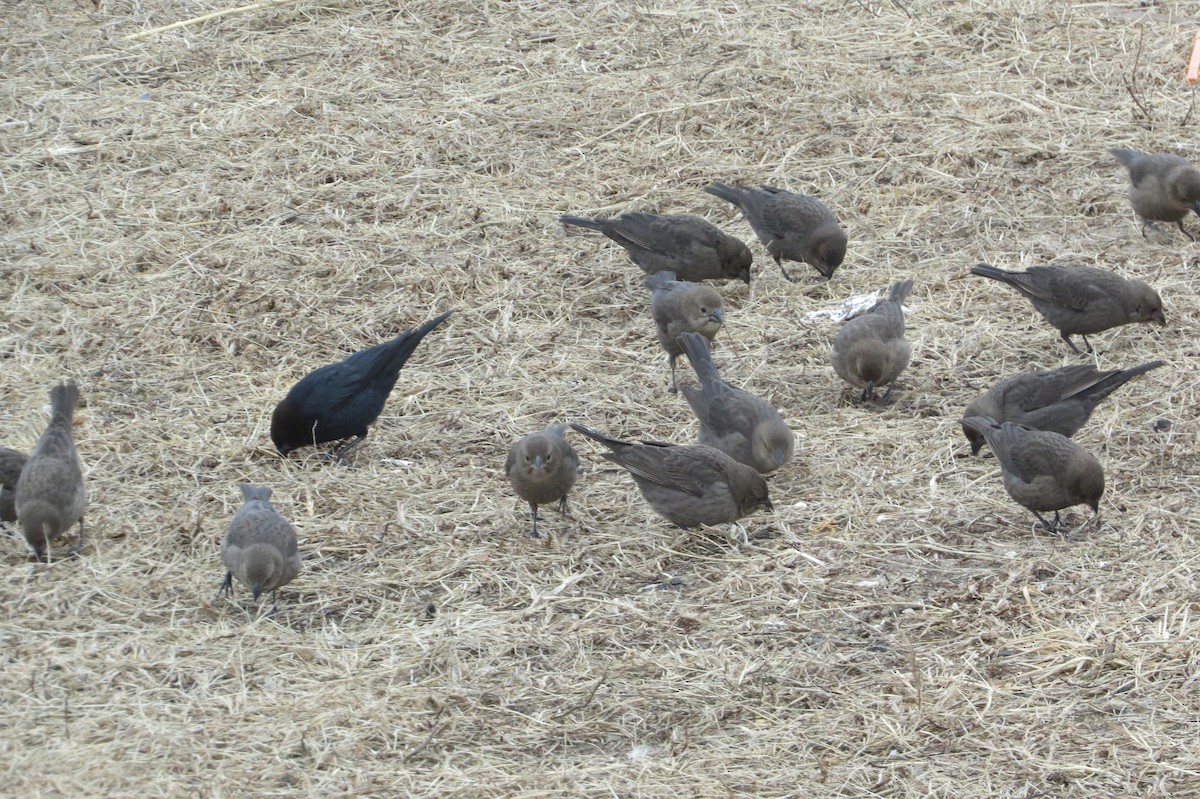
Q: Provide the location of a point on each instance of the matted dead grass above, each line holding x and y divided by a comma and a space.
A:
193, 219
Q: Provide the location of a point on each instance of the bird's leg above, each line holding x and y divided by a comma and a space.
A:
339, 454
533, 515
786, 276
1042, 520
227, 584
887, 394
674, 389
1179, 222
1087, 345
1067, 338
562, 505
868, 391
82, 539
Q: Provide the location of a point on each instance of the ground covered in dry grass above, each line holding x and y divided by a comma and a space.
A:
193, 219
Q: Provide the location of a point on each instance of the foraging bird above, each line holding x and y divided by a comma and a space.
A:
1081, 300
870, 350
1043, 471
688, 484
541, 468
795, 227
260, 547
743, 426
11, 463
340, 400
1162, 187
691, 247
1057, 400
682, 307
50, 495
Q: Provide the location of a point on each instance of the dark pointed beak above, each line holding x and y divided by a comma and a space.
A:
780, 457
256, 590
717, 316
538, 463
745, 275
1160, 317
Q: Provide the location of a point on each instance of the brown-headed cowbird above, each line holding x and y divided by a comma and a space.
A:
1043, 471
795, 227
691, 247
1081, 300
682, 307
743, 426
260, 547
687, 484
1162, 187
541, 468
1058, 400
339, 401
870, 350
11, 463
50, 495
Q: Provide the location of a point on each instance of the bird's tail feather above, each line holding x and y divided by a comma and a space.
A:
726, 192
579, 221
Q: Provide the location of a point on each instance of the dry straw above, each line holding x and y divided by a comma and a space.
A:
194, 219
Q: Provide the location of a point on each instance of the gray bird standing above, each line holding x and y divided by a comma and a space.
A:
691, 247
1043, 471
1162, 187
682, 307
50, 495
795, 227
541, 468
687, 484
743, 426
11, 463
1057, 400
1081, 300
870, 350
260, 547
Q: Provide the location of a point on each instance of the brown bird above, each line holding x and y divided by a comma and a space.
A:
260, 546
1043, 471
541, 468
870, 350
50, 495
682, 307
795, 227
1081, 300
1162, 187
1057, 400
688, 484
11, 463
743, 426
691, 247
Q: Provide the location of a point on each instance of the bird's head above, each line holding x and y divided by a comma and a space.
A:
704, 310
1145, 305
829, 249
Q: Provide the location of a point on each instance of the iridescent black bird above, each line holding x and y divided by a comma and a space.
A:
339, 401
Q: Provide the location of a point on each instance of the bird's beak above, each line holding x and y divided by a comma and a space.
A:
538, 463
745, 275
256, 590
766, 503
1160, 317
780, 457
717, 316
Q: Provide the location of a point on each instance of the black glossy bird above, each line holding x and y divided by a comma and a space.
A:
339, 401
